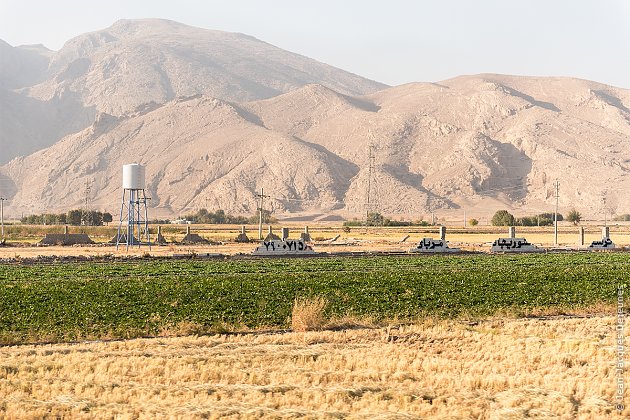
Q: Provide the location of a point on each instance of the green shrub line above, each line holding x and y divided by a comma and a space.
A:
118, 299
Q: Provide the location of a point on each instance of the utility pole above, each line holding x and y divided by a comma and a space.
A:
464, 218
262, 196
2, 200
555, 215
605, 218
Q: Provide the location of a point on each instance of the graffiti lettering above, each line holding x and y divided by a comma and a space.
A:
513, 244
510, 243
433, 245
428, 243
604, 243
283, 247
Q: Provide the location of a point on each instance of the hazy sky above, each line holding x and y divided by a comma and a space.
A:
393, 41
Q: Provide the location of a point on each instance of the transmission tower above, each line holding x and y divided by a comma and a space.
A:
370, 184
87, 191
86, 208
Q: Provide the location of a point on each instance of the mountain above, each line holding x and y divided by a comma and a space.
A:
23, 66
478, 143
217, 116
194, 149
46, 95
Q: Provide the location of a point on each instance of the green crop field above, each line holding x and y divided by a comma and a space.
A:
112, 299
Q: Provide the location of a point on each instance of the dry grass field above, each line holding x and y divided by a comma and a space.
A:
491, 369
359, 239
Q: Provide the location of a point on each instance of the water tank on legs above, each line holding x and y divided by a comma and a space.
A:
133, 177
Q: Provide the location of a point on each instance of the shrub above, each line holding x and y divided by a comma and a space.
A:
473, 222
377, 219
220, 217
539, 220
308, 313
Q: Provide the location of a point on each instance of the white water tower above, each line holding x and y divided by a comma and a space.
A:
134, 221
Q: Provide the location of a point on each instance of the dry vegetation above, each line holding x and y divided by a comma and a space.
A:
308, 314
358, 239
562, 368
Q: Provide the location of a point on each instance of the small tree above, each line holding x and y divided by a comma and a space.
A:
267, 218
375, 219
473, 222
574, 217
92, 218
74, 217
550, 216
107, 218
527, 221
503, 218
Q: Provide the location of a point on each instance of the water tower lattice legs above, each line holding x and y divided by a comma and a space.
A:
134, 223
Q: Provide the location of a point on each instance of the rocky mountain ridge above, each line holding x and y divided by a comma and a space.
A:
476, 143
46, 95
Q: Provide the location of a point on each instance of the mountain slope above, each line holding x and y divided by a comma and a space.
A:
476, 142
198, 151
22, 66
133, 63
138, 61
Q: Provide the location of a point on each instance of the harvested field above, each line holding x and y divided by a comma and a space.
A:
21, 239
560, 368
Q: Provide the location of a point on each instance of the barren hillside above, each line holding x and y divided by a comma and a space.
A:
216, 116
475, 142
45, 95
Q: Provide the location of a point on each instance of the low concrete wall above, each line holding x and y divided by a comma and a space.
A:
66, 239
